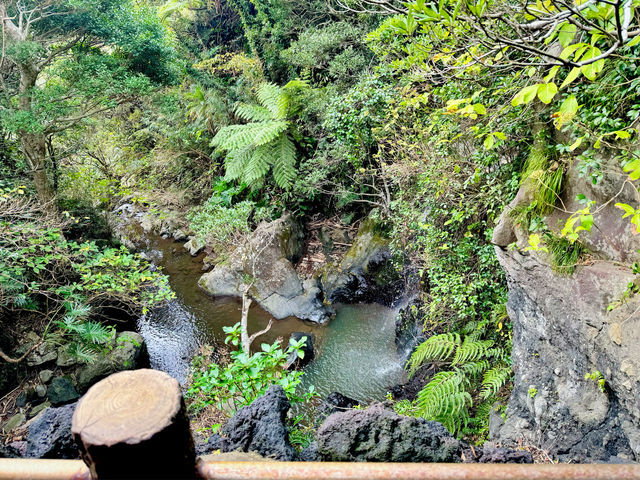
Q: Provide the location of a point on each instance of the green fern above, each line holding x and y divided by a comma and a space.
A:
446, 399
471, 350
494, 379
476, 363
436, 347
87, 337
264, 142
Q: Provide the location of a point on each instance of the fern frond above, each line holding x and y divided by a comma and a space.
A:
236, 137
253, 113
445, 399
284, 164
474, 369
436, 347
494, 380
94, 332
471, 350
274, 99
269, 132
258, 165
498, 353
82, 353
235, 161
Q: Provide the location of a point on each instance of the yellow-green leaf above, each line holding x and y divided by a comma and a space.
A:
573, 74
526, 95
546, 92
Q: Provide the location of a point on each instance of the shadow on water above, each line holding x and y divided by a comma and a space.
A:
355, 353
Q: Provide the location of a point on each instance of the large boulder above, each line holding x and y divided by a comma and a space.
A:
267, 258
50, 434
128, 352
260, 427
378, 434
365, 274
562, 333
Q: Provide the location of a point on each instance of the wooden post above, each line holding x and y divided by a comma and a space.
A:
133, 424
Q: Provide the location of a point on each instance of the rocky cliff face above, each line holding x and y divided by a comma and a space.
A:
563, 332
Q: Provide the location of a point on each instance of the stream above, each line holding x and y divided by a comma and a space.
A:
355, 354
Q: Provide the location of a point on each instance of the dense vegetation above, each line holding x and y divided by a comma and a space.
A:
431, 116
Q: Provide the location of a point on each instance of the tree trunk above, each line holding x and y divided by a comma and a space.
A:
244, 322
34, 144
34, 147
134, 424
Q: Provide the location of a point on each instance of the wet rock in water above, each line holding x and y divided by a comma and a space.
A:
269, 255
180, 235
409, 330
260, 427
293, 361
335, 402
194, 246
50, 434
213, 443
128, 352
365, 273
61, 390
378, 434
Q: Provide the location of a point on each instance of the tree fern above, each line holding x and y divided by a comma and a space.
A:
284, 170
264, 142
275, 99
253, 113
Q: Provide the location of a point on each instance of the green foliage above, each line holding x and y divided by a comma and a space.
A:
566, 255
86, 338
447, 396
331, 53
37, 262
266, 142
246, 377
598, 378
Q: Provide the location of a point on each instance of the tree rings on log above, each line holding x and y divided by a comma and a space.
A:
133, 424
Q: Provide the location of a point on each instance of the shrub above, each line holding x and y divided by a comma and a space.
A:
246, 377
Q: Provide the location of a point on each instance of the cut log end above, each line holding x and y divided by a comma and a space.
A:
135, 420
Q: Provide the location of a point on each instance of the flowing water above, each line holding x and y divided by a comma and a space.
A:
355, 354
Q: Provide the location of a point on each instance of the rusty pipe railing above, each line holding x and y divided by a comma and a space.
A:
32, 469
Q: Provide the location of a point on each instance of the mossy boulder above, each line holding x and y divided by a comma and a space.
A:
365, 274
128, 351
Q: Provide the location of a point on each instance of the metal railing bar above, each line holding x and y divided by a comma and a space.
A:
34, 469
